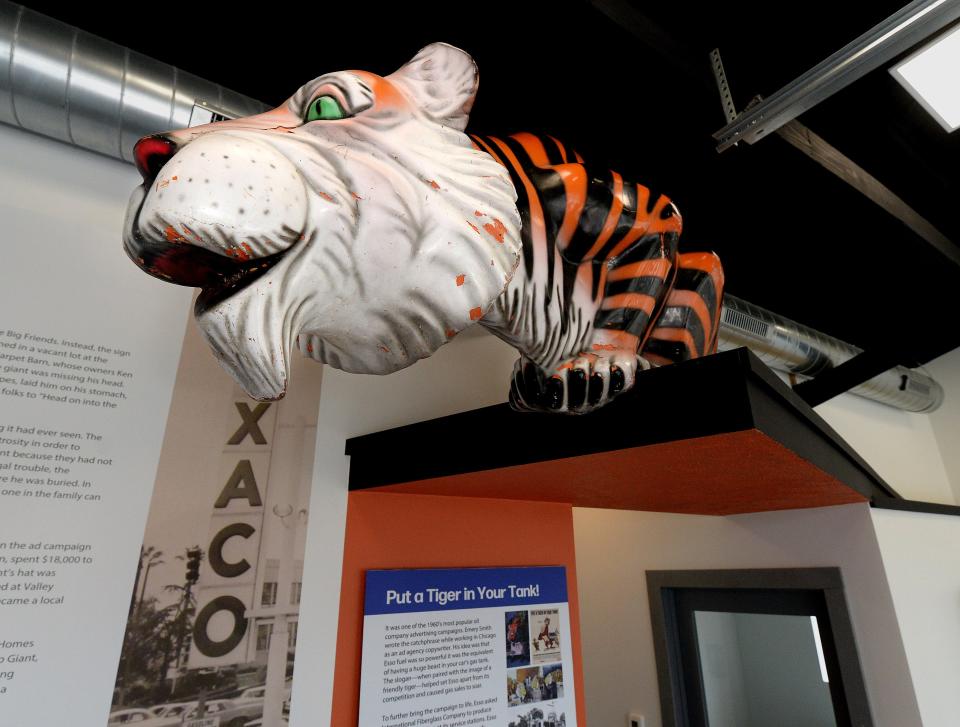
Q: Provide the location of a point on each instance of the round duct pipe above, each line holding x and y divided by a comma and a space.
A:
72, 86
792, 348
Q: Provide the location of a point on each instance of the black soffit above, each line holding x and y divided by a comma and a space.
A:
720, 435
793, 237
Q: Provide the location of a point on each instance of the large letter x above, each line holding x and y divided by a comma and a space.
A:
250, 426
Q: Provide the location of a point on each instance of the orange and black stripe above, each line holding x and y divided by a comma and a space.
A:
688, 326
619, 235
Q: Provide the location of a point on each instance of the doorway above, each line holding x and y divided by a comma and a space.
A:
756, 648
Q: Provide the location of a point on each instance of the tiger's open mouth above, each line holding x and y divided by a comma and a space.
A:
180, 262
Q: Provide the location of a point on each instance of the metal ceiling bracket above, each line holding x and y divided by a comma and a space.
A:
901, 31
834, 161
716, 63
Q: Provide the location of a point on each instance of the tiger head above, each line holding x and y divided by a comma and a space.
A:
356, 222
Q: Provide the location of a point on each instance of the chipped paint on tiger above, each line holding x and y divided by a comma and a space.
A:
579, 269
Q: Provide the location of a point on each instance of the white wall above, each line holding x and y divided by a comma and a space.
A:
901, 446
917, 454
616, 548
921, 554
946, 419
471, 371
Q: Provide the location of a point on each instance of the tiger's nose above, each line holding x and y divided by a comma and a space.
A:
151, 153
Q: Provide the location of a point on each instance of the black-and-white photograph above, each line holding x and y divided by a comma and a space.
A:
212, 624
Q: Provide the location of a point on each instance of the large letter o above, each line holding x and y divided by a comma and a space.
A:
211, 648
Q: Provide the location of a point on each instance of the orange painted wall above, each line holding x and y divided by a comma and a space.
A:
387, 530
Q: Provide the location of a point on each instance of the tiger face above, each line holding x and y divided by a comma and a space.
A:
356, 222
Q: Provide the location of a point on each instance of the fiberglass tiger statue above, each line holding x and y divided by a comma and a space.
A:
360, 224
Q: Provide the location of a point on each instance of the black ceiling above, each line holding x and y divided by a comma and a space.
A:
793, 237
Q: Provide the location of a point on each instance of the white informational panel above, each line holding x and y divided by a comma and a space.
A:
88, 352
467, 647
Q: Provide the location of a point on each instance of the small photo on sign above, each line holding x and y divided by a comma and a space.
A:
518, 638
533, 684
537, 716
552, 681
523, 686
545, 633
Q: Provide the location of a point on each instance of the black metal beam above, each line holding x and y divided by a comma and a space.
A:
882, 502
846, 376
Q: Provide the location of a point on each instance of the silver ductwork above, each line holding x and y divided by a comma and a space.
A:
64, 83
797, 350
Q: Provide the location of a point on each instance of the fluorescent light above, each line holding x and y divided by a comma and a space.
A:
930, 76
820, 659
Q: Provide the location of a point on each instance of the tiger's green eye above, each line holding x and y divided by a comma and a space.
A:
325, 108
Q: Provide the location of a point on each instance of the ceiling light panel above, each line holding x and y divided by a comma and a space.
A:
932, 77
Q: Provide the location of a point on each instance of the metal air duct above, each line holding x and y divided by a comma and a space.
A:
72, 86
792, 348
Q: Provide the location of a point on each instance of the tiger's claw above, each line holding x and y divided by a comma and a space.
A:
576, 386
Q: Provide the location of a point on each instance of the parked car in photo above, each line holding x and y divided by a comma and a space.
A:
259, 693
173, 710
171, 715
230, 713
130, 716
252, 694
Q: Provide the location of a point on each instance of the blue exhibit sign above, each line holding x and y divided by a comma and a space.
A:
467, 646
448, 589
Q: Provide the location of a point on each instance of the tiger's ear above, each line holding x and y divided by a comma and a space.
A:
443, 80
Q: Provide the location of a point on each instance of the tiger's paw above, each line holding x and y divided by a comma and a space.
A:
577, 385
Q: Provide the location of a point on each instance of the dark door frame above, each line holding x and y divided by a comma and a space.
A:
817, 591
